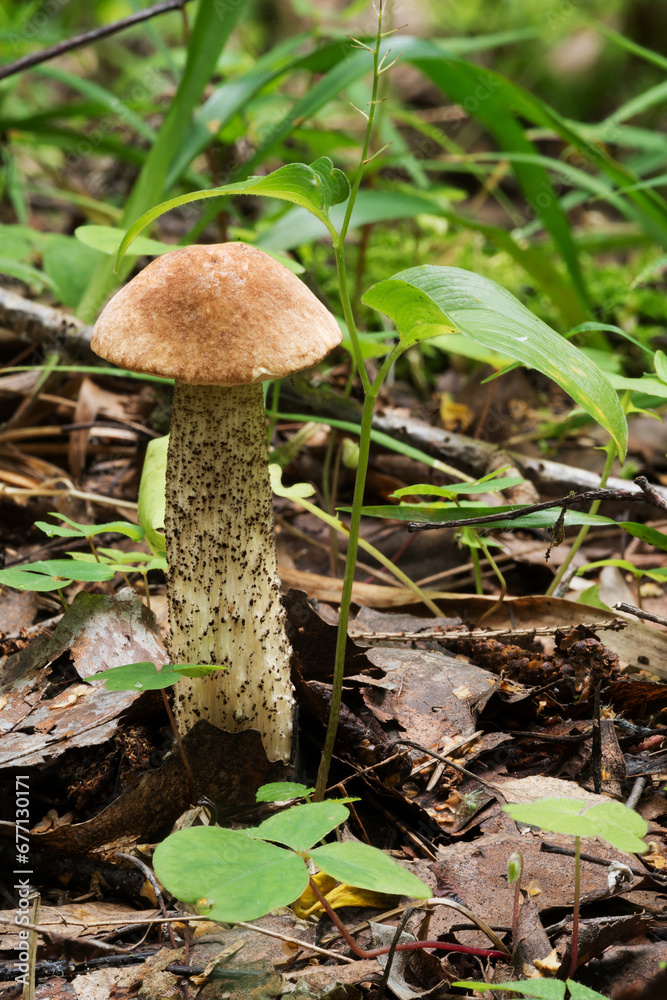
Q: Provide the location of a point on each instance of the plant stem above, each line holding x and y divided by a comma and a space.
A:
364, 439
477, 571
346, 598
179, 744
575, 913
583, 531
406, 946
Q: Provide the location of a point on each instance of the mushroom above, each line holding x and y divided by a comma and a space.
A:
220, 320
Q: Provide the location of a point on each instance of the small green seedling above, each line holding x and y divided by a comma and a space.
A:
620, 826
514, 876
235, 875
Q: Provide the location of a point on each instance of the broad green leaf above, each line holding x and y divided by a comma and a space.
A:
368, 868
151, 507
427, 300
132, 531
621, 826
301, 826
142, 676
579, 992
107, 239
453, 489
541, 989
316, 187
555, 816
281, 791
20, 579
227, 875
68, 569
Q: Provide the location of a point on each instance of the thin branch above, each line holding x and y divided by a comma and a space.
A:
35, 58
649, 616
646, 494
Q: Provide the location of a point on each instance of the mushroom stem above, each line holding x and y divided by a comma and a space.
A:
223, 587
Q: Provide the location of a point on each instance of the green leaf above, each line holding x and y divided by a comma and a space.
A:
108, 240
621, 826
228, 875
280, 791
65, 570
646, 534
316, 187
75, 530
368, 868
618, 563
542, 989
453, 489
151, 507
555, 816
427, 300
301, 826
579, 992
197, 669
21, 579
660, 363
142, 676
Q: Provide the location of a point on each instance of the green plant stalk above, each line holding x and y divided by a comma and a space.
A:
518, 858
612, 453
350, 565
477, 571
346, 599
364, 441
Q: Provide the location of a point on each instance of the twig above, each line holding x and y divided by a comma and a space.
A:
630, 609
382, 985
179, 744
496, 789
35, 58
656, 876
636, 793
447, 635
646, 495
138, 863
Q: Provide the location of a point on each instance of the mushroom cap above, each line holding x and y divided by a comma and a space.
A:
224, 314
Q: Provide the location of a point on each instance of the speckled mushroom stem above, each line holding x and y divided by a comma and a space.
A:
223, 587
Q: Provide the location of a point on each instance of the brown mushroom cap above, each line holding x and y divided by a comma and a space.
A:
225, 314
